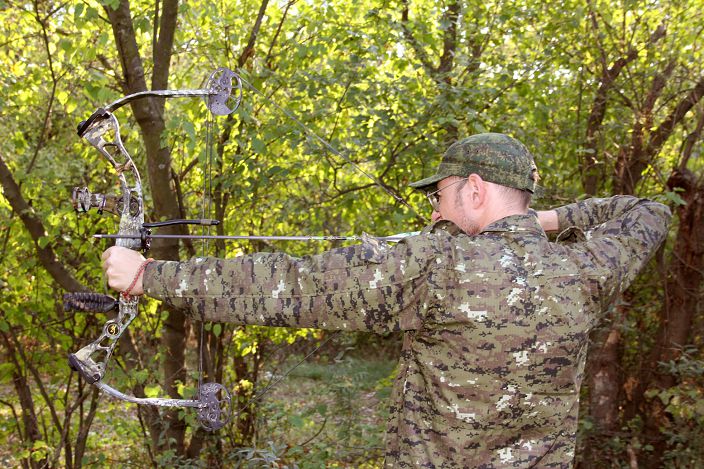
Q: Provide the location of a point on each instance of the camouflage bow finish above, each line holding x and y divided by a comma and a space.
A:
102, 131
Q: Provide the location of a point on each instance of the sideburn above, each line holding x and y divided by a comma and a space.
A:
466, 224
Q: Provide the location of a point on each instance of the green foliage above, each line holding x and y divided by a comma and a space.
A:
330, 414
349, 74
685, 403
260, 458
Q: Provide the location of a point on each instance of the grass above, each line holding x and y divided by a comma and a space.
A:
328, 414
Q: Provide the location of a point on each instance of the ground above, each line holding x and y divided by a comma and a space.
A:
327, 413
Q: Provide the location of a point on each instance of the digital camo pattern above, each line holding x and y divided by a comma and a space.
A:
495, 325
497, 158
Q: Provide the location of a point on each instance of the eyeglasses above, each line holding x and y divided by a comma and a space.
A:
433, 196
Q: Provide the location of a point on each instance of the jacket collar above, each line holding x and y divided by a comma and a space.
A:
523, 223
516, 223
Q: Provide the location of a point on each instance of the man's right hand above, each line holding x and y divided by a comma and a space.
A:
121, 266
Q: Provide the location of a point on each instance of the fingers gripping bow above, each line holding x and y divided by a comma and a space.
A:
102, 131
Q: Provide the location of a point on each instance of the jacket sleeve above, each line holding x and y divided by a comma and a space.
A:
622, 233
370, 287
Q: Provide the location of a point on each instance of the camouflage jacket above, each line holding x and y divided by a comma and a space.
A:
495, 325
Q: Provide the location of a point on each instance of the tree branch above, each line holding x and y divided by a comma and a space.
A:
662, 133
164, 46
248, 50
688, 144
36, 230
449, 40
408, 34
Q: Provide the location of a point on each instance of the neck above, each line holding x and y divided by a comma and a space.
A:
497, 213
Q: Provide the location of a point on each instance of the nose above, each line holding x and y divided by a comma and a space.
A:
435, 216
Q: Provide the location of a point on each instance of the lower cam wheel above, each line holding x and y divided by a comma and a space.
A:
216, 409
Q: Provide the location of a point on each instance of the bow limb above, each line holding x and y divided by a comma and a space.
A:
218, 95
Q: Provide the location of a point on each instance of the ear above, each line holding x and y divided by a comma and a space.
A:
477, 190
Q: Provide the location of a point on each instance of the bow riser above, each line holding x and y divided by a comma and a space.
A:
83, 361
102, 130
132, 216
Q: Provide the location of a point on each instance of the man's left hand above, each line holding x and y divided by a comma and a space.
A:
121, 265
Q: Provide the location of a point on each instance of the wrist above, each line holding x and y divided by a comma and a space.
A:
548, 220
136, 288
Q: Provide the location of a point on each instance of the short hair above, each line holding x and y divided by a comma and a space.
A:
512, 195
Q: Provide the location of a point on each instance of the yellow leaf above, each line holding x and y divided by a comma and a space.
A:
62, 96
152, 391
18, 68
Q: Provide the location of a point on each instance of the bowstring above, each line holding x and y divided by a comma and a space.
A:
258, 395
206, 209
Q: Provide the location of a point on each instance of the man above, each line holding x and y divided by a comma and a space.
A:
495, 317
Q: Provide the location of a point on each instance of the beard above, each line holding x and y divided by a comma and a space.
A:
466, 223
469, 226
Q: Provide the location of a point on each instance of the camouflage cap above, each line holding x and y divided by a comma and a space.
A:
495, 157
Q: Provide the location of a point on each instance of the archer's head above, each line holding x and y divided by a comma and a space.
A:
481, 179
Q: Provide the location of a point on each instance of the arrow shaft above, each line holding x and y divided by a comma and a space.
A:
391, 239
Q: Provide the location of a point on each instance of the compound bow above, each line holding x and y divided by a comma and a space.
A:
102, 131
213, 411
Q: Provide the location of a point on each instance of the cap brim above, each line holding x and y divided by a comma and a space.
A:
429, 181
538, 191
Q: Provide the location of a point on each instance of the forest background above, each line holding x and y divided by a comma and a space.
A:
606, 94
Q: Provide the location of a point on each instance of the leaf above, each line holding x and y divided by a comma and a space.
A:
297, 421
113, 4
141, 375
62, 96
675, 198
78, 12
258, 145
6, 370
152, 391
39, 450
43, 241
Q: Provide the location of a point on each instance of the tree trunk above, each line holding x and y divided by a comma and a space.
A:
149, 116
31, 433
684, 294
603, 380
